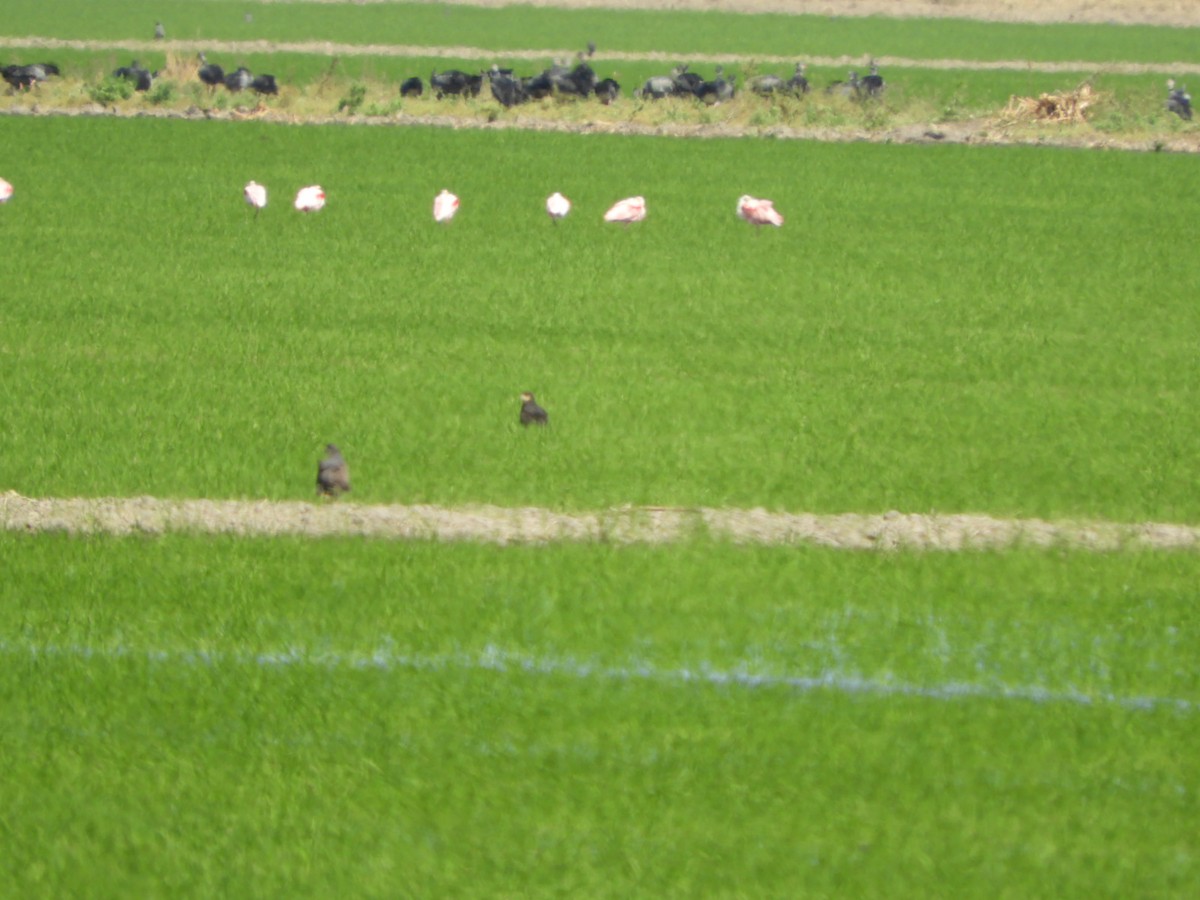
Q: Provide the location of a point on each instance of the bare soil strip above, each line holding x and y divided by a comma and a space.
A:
329, 48
1111, 12
532, 525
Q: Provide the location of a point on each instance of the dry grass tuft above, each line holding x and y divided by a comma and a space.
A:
1066, 106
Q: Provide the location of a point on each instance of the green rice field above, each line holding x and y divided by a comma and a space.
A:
936, 328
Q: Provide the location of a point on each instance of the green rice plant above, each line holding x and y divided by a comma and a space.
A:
161, 92
556, 30
110, 91
911, 339
353, 100
341, 717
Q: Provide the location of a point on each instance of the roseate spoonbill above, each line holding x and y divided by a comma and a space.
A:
333, 475
631, 209
531, 413
6, 191
557, 207
445, 205
310, 199
758, 212
256, 196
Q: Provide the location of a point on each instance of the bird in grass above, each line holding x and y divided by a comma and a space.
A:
445, 206
758, 212
310, 199
210, 73
1179, 101
256, 196
160, 33
531, 413
631, 209
557, 207
333, 475
6, 191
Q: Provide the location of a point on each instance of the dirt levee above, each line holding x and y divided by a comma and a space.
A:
533, 525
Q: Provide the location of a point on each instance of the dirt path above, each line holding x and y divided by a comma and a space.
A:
531, 525
1117, 12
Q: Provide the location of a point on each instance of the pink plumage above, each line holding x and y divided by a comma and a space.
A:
310, 199
758, 212
631, 209
6, 191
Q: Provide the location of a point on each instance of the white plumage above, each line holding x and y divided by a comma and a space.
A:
310, 199
256, 195
6, 191
445, 205
557, 206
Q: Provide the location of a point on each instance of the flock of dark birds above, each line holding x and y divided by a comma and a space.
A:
333, 474
579, 80
562, 79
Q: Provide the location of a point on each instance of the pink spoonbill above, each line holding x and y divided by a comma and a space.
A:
758, 212
445, 205
310, 199
557, 207
256, 196
631, 209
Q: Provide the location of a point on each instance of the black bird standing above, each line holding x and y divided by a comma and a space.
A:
873, 83
211, 74
531, 413
333, 475
1179, 101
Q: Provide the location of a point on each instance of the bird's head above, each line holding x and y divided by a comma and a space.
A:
526, 397
331, 449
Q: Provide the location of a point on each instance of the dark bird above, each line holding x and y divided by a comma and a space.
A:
211, 74
717, 90
24, 77
798, 84
531, 413
264, 84
508, 90
159, 32
333, 475
765, 85
591, 49
873, 83
413, 87
141, 78
607, 91
657, 87
1179, 101
686, 82
239, 80
455, 83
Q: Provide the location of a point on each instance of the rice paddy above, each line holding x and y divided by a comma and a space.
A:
935, 329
